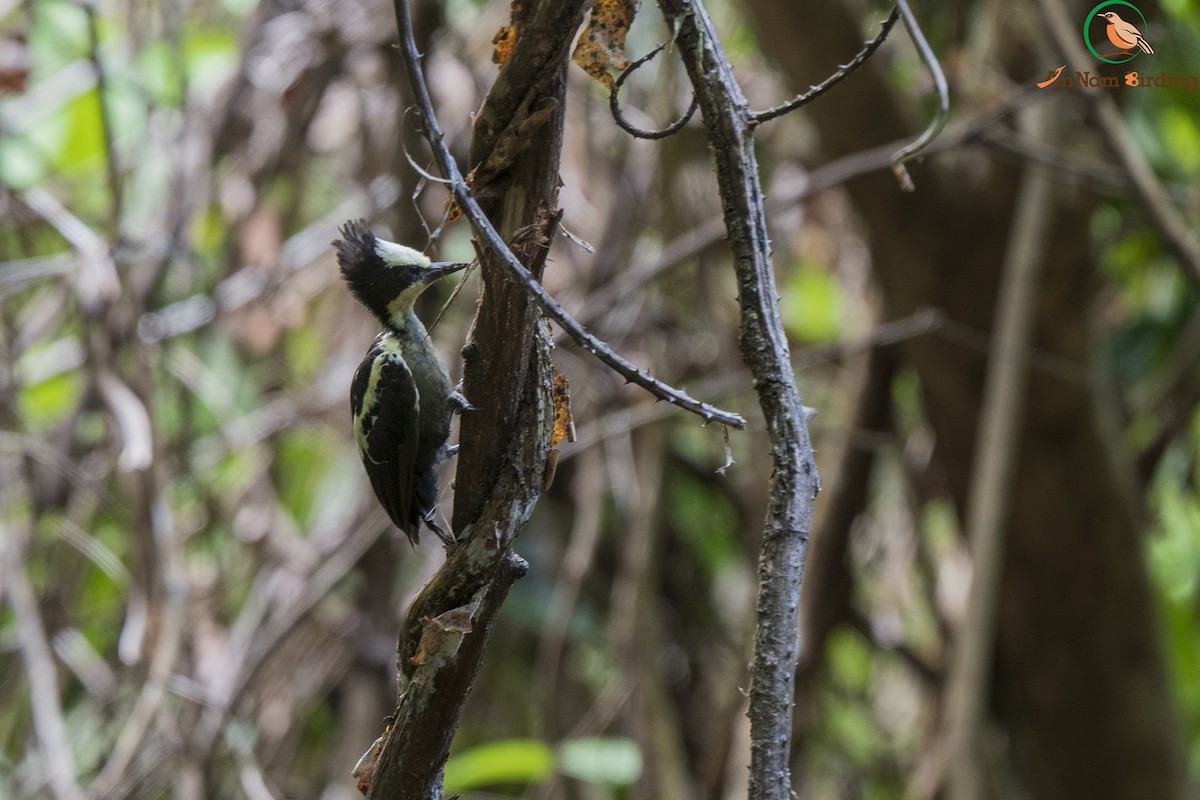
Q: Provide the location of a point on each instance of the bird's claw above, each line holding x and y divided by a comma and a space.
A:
459, 402
447, 538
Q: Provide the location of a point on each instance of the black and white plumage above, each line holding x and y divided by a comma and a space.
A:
401, 397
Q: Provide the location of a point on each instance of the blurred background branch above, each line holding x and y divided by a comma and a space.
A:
200, 597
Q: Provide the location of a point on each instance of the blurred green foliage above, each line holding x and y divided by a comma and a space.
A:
198, 385
602, 762
812, 304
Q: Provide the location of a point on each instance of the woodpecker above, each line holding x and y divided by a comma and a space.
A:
400, 399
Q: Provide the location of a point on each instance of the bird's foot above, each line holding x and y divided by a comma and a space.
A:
458, 402
447, 538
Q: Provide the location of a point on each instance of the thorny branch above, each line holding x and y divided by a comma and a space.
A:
764, 346
492, 240
614, 104
837, 77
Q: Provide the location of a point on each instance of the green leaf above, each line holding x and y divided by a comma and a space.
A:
21, 164
211, 56
59, 36
811, 304
849, 660
705, 521
611, 761
301, 465
506, 761
1181, 137
305, 351
157, 67
43, 404
86, 140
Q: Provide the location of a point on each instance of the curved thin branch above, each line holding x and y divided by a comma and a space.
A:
614, 104
412, 162
833, 80
918, 146
491, 239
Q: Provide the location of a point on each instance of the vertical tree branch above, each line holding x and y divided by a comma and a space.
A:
506, 376
765, 349
999, 435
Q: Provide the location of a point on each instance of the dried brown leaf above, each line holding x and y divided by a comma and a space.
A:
364, 770
504, 40
564, 423
441, 635
601, 46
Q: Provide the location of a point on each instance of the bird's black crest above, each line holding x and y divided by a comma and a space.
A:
367, 275
357, 257
357, 242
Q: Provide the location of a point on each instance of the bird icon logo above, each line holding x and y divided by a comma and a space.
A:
1105, 28
1123, 34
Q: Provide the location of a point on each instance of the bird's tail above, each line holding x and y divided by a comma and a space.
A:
1146, 48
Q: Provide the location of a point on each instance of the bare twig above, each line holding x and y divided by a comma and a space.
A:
764, 346
412, 162
999, 431
491, 239
98, 281
708, 233
927, 321
614, 104
168, 645
843, 71
48, 724
264, 625
927, 672
828, 580
111, 162
921, 143
588, 489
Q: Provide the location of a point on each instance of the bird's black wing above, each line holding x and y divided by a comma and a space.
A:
385, 403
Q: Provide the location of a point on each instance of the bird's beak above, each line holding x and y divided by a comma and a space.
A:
440, 269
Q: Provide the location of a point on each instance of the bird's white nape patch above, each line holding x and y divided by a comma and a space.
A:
395, 255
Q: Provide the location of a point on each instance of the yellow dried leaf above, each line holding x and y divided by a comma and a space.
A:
564, 423
601, 46
504, 40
